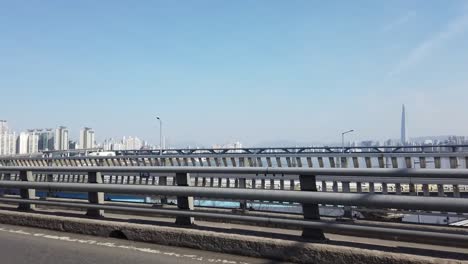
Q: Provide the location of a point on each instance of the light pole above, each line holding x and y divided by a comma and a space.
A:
160, 135
342, 139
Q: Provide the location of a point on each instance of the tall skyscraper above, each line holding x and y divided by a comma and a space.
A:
87, 138
61, 138
403, 126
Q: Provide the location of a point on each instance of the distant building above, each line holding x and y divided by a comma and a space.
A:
403, 126
72, 144
87, 140
46, 139
7, 139
61, 138
132, 143
22, 143
235, 145
126, 143
3, 127
107, 144
33, 142
428, 142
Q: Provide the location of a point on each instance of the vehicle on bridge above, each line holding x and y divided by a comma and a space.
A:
101, 154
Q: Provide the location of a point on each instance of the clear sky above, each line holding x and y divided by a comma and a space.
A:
218, 71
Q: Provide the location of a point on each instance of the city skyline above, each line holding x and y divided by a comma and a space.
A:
87, 135
215, 72
46, 139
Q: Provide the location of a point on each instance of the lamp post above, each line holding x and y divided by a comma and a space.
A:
160, 135
342, 139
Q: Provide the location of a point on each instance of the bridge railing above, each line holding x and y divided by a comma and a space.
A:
280, 160
383, 181
308, 196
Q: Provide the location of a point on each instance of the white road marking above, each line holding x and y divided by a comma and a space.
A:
113, 245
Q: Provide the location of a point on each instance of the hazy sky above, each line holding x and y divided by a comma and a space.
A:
218, 71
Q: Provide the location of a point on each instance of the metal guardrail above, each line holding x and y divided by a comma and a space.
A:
454, 160
308, 196
445, 182
422, 173
352, 199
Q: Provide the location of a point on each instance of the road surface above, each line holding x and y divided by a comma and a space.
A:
24, 245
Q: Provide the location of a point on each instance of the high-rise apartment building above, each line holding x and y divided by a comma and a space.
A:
3, 126
46, 139
87, 140
22, 143
61, 138
33, 141
132, 143
7, 139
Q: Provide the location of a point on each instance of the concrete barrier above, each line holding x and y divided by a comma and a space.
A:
298, 251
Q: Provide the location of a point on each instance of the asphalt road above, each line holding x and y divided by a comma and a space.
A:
23, 245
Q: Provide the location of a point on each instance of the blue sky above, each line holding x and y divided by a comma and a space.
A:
219, 71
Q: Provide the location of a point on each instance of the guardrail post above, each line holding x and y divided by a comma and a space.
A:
456, 191
184, 202
398, 188
453, 162
348, 211
162, 180
358, 187
95, 197
27, 193
381, 162
440, 190
384, 188
408, 162
320, 162
454, 165
49, 178
335, 186
243, 185
310, 211
425, 189
6, 177
344, 162
412, 189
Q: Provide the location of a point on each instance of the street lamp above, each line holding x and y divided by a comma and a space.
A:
342, 139
160, 135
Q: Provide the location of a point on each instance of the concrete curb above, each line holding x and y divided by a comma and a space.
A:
284, 250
